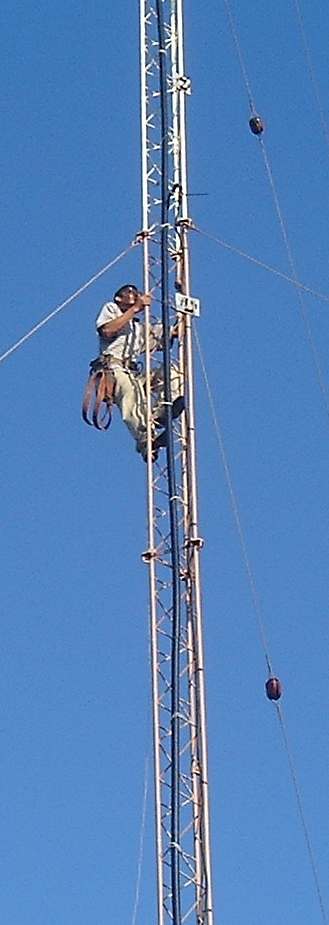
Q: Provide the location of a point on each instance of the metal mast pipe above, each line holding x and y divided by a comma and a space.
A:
174, 537
180, 190
192, 476
150, 499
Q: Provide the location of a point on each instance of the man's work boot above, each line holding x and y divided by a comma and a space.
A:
177, 408
159, 441
142, 449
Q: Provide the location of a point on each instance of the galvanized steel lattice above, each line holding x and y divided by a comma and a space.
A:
193, 850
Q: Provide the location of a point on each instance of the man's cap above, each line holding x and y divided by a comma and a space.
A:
123, 288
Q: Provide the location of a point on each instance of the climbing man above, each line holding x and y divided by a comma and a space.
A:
122, 342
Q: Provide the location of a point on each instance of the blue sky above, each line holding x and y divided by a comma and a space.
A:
75, 685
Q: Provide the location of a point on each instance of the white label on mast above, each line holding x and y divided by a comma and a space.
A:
187, 305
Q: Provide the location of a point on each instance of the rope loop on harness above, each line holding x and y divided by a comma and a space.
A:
99, 394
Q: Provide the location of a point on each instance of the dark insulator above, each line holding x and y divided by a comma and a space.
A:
256, 125
273, 688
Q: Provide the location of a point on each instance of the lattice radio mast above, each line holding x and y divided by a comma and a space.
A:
184, 887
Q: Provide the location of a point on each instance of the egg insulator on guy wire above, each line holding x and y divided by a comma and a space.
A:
273, 688
256, 125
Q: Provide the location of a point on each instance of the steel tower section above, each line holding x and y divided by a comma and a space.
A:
184, 887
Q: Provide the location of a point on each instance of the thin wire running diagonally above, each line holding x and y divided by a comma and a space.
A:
302, 306
321, 296
240, 56
141, 843
62, 305
301, 810
236, 513
260, 622
303, 309
311, 70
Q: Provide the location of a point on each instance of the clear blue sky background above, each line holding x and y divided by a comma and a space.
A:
75, 686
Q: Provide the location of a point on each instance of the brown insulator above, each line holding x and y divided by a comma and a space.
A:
273, 688
256, 125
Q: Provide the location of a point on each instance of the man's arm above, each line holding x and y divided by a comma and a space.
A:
114, 327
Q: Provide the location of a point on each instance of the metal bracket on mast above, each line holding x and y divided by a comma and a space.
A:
148, 555
185, 223
142, 235
183, 83
196, 542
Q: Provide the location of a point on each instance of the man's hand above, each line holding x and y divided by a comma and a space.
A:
174, 330
143, 299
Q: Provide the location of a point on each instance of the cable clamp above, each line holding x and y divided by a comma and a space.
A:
183, 83
196, 767
148, 555
185, 223
143, 234
196, 542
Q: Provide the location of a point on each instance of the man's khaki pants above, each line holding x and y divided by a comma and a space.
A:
130, 398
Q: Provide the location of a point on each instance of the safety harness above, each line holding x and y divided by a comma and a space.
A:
99, 394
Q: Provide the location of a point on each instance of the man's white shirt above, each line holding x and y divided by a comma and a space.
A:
129, 343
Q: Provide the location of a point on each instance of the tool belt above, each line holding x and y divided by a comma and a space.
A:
132, 365
99, 394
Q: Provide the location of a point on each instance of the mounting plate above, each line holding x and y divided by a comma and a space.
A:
187, 304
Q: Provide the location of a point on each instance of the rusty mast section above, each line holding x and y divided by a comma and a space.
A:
184, 887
